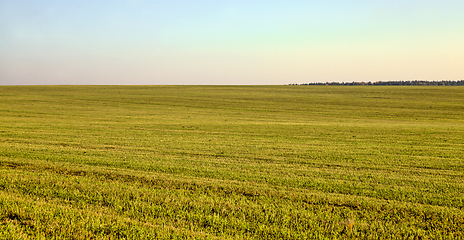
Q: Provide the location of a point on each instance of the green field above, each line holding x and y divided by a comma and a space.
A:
231, 162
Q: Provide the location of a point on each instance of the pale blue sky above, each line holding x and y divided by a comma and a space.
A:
229, 42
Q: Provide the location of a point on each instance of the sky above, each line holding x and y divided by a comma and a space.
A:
216, 42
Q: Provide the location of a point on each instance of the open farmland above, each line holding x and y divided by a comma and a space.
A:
231, 162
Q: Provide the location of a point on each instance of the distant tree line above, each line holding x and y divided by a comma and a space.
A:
391, 83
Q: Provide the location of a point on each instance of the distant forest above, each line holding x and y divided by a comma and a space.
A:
391, 83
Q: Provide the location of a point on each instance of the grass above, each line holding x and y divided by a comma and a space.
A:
231, 162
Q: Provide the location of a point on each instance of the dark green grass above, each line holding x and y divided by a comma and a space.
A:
231, 162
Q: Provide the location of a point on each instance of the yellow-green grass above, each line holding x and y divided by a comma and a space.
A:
231, 162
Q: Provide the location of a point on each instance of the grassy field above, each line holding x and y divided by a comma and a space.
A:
231, 162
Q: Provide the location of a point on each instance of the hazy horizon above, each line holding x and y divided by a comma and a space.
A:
229, 43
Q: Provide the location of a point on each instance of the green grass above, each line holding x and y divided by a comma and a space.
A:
231, 162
